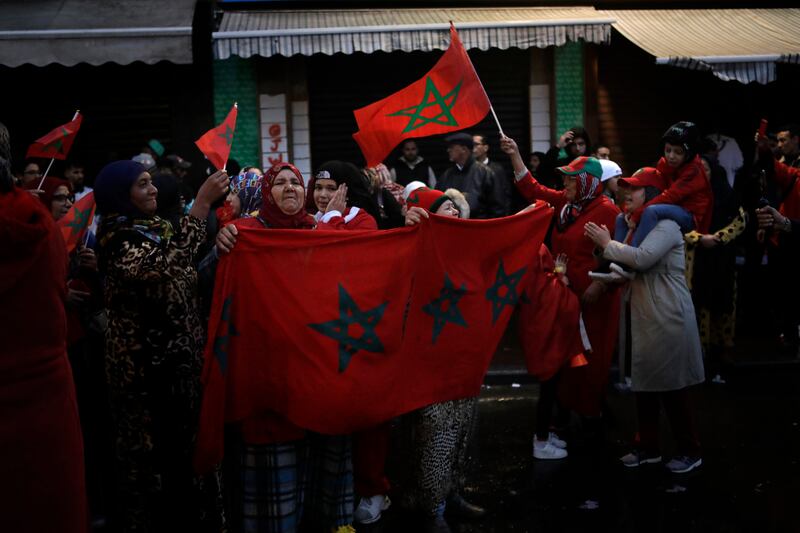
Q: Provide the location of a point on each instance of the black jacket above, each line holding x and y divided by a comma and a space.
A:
483, 192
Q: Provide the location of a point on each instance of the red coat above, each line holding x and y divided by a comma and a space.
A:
42, 471
583, 388
788, 179
688, 187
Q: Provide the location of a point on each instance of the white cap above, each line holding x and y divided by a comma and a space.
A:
610, 170
411, 187
146, 160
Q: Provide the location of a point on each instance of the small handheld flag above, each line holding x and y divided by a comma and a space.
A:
57, 143
216, 142
77, 220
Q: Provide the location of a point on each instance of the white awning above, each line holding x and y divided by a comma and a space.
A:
307, 32
69, 32
735, 44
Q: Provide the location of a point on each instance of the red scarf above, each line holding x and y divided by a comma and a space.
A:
271, 214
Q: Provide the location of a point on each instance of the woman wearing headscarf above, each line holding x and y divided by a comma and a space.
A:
328, 196
666, 358
154, 347
42, 470
582, 200
288, 475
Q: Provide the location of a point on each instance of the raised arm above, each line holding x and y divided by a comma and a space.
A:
526, 184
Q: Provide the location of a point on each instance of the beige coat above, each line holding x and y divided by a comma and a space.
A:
665, 344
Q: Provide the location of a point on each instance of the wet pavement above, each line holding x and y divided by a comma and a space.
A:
749, 482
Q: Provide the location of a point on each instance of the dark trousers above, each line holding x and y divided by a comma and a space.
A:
370, 449
678, 408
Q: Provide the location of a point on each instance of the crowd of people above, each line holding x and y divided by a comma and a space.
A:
103, 348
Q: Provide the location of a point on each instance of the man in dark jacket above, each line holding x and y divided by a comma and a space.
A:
483, 192
576, 143
411, 167
481, 152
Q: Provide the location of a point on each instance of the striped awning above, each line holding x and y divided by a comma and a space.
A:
68, 32
307, 32
735, 44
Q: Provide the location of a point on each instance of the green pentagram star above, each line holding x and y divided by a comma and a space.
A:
80, 220
445, 308
431, 98
222, 342
509, 281
350, 314
228, 135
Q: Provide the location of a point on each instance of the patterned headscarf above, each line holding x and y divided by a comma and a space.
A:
271, 214
588, 188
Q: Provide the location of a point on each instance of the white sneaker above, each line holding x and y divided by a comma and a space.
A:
369, 509
627, 274
553, 439
547, 450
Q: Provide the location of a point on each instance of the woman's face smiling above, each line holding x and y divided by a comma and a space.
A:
324, 189
143, 194
288, 192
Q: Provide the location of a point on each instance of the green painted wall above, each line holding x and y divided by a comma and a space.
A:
569, 86
235, 80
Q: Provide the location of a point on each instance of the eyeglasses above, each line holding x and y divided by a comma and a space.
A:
64, 197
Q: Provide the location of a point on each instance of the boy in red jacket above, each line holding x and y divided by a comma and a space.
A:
687, 199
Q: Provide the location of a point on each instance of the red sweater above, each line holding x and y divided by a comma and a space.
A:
353, 218
687, 187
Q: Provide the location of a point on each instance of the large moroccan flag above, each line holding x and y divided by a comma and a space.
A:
216, 142
449, 97
339, 331
57, 143
75, 223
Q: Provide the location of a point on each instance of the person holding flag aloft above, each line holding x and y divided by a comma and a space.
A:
581, 388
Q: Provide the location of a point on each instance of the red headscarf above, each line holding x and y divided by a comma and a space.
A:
272, 214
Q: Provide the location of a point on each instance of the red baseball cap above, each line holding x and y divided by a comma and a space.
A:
428, 199
644, 177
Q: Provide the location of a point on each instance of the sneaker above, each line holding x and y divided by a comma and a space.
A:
343, 529
607, 277
547, 450
369, 509
637, 458
683, 464
627, 274
553, 439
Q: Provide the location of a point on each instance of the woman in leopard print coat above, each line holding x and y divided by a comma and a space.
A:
154, 347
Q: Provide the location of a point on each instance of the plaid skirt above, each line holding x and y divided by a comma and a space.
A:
308, 480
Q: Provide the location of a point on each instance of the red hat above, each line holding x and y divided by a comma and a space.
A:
428, 199
644, 177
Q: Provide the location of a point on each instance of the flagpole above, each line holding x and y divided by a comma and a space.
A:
225, 166
491, 107
77, 112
